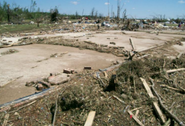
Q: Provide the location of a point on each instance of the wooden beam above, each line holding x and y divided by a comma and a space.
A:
90, 118
180, 54
175, 70
132, 44
147, 88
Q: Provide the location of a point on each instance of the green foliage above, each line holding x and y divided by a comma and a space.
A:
54, 14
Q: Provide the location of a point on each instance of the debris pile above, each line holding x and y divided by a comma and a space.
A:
149, 91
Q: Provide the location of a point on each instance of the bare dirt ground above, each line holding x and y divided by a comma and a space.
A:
33, 62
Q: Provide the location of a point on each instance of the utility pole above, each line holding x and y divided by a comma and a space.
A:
112, 11
8, 14
83, 12
118, 11
108, 9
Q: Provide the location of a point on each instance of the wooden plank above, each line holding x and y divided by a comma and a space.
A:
135, 118
136, 109
132, 44
159, 112
155, 104
105, 74
147, 88
175, 70
90, 118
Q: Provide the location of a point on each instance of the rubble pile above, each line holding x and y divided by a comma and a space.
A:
130, 94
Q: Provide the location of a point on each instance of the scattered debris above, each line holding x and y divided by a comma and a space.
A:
113, 43
87, 68
10, 51
68, 71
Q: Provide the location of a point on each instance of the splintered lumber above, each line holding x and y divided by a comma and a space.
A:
155, 104
180, 54
175, 70
167, 123
171, 115
136, 109
135, 118
118, 99
90, 118
143, 56
5, 120
137, 112
147, 88
105, 74
132, 44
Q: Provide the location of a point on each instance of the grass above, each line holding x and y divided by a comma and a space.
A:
21, 28
172, 25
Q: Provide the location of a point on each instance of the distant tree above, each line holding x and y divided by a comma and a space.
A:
3, 11
100, 15
124, 15
178, 20
76, 14
8, 13
92, 12
113, 14
33, 5
54, 13
38, 17
96, 14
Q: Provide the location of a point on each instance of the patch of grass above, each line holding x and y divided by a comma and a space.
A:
21, 28
172, 25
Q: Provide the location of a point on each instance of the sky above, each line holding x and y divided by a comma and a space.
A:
134, 8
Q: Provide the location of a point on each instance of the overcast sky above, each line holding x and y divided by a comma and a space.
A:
135, 8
